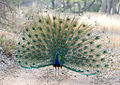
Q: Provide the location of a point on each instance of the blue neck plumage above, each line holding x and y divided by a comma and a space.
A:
57, 63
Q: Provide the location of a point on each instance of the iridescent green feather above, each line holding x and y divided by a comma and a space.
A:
75, 43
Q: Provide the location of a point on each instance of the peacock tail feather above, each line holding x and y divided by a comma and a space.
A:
53, 40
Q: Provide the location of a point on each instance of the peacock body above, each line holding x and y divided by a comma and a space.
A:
61, 42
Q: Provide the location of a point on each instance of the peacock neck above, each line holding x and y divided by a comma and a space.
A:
57, 62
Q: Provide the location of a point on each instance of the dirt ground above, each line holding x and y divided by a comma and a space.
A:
47, 76
43, 76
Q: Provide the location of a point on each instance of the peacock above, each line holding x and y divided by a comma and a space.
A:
61, 41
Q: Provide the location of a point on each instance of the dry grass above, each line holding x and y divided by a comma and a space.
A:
110, 24
8, 42
106, 22
115, 40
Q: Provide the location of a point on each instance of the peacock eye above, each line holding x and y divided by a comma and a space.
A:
40, 20
84, 25
54, 17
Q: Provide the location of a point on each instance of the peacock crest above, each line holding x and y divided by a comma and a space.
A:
61, 42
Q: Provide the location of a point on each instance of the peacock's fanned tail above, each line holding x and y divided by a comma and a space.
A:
74, 44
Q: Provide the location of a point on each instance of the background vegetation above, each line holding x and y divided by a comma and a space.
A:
104, 6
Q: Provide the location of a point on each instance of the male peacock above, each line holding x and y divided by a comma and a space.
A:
61, 42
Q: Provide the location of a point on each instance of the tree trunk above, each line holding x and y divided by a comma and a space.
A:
114, 11
104, 6
109, 6
119, 9
53, 4
114, 3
